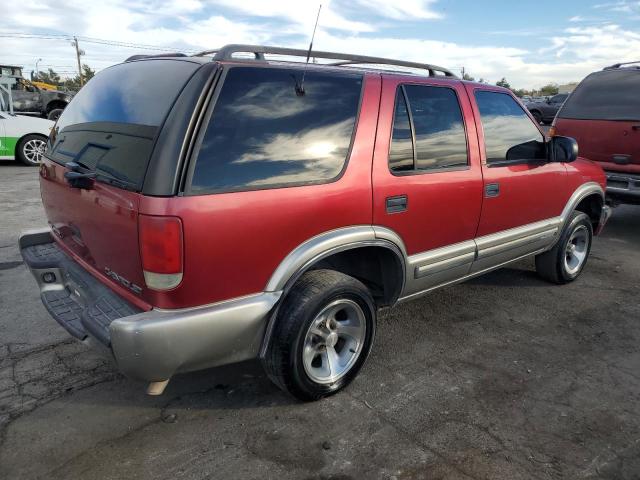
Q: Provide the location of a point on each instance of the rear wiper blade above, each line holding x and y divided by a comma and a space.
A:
114, 181
77, 166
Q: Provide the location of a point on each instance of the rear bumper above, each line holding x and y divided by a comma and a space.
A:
149, 346
623, 186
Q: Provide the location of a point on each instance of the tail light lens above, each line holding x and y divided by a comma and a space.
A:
161, 249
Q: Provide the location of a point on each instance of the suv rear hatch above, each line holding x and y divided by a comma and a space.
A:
603, 115
109, 131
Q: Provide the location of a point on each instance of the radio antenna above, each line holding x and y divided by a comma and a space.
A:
300, 86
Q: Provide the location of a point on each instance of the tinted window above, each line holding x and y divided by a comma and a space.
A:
606, 95
559, 98
111, 124
401, 151
509, 134
262, 134
440, 139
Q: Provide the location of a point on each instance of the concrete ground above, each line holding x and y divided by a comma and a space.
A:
503, 377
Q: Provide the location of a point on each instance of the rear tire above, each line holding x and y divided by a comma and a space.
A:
566, 260
323, 334
30, 148
55, 114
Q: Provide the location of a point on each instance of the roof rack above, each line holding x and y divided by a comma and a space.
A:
618, 65
159, 55
226, 53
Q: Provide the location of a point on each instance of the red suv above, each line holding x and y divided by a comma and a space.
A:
603, 115
239, 208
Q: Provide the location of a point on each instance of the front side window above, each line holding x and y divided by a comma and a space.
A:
262, 134
428, 130
509, 133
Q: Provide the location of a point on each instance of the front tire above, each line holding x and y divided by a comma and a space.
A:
323, 335
30, 149
566, 260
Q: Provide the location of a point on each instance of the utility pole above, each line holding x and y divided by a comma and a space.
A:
463, 73
78, 53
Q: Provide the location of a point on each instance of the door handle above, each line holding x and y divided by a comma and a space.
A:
635, 127
397, 204
492, 190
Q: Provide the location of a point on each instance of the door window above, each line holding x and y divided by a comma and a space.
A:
428, 130
262, 134
509, 134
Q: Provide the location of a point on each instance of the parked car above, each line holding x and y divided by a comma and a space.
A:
244, 208
603, 114
23, 138
28, 99
545, 110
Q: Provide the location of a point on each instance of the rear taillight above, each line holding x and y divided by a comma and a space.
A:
161, 249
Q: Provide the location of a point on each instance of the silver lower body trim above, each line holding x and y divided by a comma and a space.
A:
154, 345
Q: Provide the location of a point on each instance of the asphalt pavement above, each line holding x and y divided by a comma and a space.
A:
502, 377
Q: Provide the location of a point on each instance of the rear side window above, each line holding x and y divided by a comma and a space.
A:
428, 130
509, 134
606, 95
263, 135
111, 124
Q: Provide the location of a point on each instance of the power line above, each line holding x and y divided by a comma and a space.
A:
98, 41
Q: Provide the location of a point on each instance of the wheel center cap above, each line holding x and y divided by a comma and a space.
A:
332, 339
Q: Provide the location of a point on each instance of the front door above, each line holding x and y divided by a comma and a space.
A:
427, 181
524, 193
26, 98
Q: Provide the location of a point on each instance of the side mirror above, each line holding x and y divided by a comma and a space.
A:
563, 149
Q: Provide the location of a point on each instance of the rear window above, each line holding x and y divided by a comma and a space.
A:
606, 95
111, 124
263, 135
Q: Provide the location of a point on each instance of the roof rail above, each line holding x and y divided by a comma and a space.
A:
226, 53
618, 65
159, 55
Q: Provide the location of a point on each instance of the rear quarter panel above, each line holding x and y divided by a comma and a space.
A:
233, 242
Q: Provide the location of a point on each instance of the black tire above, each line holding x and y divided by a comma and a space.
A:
537, 116
312, 293
55, 114
553, 265
25, 149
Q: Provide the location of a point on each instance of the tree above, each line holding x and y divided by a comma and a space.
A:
466, 76
482, 80
50, 77
549, 89
87, 74
503, 83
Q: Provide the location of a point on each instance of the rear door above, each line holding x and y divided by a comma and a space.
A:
426, 176
603, 115
523, 192
109, 129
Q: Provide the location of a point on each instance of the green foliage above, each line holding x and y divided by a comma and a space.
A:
503, 83
468, 77
53, 78
550, 89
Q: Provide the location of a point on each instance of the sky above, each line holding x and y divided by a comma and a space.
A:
530, 43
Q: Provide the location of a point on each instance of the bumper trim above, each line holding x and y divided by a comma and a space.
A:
153, 345
147, 345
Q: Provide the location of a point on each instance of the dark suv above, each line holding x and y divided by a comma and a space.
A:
240, 208
31, 100
545, 111
603, 114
